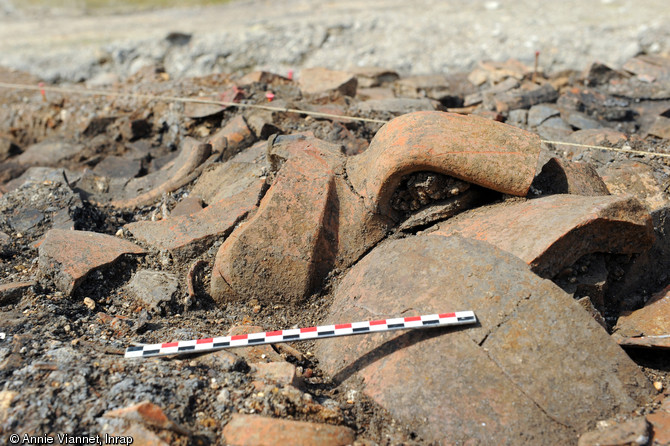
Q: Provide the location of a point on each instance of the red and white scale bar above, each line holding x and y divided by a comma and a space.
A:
301, 334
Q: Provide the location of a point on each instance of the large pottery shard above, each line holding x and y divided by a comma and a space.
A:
536, 370
67, 257
308, 223
553, 232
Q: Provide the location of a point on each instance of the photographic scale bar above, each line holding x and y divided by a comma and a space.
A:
301, 334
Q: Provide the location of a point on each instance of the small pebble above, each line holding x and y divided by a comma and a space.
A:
658, 385
223, 396
90, 303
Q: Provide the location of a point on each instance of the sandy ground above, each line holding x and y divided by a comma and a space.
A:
421, 36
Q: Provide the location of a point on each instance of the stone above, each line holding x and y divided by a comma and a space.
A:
537, 368
153, 288
552, 233
600, 74
434, 86
637, 88
637, 179
496, 72
278, 372
263, 77
597, 137
660, 127
177, 173
554, 129
488, 114
397, 106
89, 303
184, 235
307, 223
525, 97
257, 430
257, 353
200, 110
148, 414
653, 67
473, 149
11, 292
376, 93
38, 206
460, 88
120, 324
635, 432
567, 177
540, 113
49, 153
221, 360
234, 137
651, 320
119, 167
23, 220
322, 80
332, 111
187, 206
67, 257
370, 77
594, 104
580, 121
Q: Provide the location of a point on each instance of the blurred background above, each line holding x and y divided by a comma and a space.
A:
100, 40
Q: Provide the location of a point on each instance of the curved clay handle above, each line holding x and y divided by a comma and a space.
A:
471, 148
